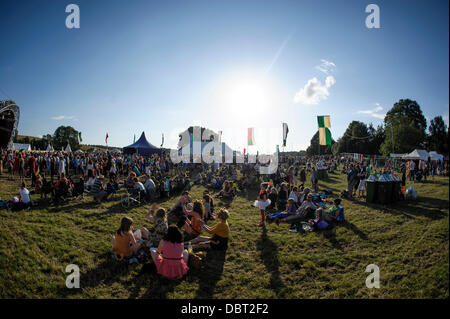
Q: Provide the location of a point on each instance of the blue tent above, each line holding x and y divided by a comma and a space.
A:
142, 147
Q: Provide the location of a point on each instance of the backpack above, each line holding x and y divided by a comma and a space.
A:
195, 262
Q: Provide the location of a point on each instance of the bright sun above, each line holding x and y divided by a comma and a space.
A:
247, 97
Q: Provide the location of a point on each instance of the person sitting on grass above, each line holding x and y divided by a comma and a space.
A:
159, 229
208, 204
124, 242
305, 210
170, 257
290, 210
319, 222
294, 195
220, 232
273, 196
138, 189
194, 213
25, 200
98, 190
227, 192
334, 212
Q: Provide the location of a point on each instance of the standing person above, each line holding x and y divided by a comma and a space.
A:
314, 179
21, 167
412, 167
351, 174
362, 185
303, 176
262, 202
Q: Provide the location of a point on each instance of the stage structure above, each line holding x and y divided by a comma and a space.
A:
9, 122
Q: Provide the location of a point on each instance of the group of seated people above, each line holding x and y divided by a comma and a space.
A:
304, 206
171, 233
151, 187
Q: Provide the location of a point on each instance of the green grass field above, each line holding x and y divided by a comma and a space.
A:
409, 241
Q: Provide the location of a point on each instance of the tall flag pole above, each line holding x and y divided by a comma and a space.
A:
324, 131
285, 133
251, 136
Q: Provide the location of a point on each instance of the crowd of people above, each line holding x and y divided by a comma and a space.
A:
286, 196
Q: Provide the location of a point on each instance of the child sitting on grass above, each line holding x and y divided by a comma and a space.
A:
159, 229
220, 232
318, 223
124, 242
290, 210
334, 213
208, 205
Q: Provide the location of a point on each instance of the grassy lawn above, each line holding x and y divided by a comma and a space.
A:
409, 241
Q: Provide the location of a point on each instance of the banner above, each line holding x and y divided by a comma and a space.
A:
251, 136
285, 133
162, 142
324, 132
79, 138
106, 139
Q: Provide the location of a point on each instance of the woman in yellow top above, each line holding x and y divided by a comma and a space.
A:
220, 232
125, 244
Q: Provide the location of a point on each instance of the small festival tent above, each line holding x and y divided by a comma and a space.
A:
68, 149
434, 156
50, 148
142, 147
417, 155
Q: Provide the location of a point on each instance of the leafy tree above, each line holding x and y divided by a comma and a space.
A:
409, 109
377, 138
356, 139
438, 136
64, 135
402, 137
313, 149
404, 128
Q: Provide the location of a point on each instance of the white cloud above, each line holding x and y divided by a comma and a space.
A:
63, 117
314, 91
374, 112
326, 66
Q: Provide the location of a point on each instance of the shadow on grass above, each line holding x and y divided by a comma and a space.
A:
353, 228
424, 206
210, 273
269, 256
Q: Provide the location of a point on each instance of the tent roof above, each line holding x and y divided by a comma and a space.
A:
417, 155
142, 146
435, 156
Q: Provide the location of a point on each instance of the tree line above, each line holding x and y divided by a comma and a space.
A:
404, 129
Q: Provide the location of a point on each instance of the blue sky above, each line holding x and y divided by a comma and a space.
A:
160, 66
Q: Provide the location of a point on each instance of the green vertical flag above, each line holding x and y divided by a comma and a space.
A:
79, 138
134, 140
324, 132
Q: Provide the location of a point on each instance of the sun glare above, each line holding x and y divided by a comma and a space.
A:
247, 98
